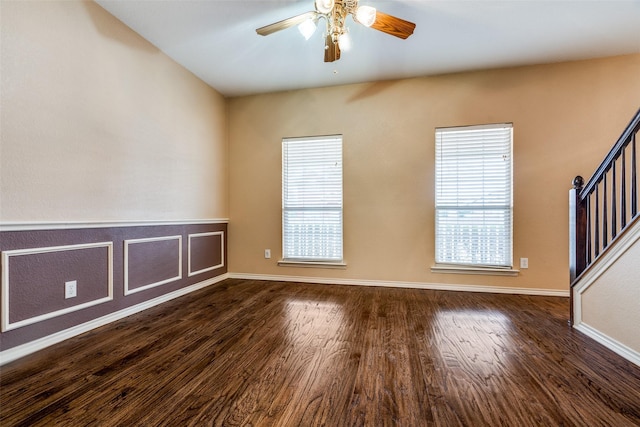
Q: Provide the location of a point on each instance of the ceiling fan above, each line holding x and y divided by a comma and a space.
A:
335, 13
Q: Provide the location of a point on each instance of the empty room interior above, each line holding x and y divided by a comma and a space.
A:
408, 213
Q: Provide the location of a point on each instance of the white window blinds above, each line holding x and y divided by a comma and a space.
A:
312, 198
474, 195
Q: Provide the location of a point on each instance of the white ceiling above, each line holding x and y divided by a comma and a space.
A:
216, 39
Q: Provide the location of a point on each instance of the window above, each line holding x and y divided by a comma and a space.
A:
474, 195
312, 199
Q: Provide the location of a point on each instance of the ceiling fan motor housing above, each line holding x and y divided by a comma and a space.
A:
335, 22
350, 6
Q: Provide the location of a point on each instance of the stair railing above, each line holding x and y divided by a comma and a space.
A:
601, 209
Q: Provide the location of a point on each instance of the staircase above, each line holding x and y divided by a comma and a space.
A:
605, 249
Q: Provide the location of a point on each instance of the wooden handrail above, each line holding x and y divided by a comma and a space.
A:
598, 209
631, 129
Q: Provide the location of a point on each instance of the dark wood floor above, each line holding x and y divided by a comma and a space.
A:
281, 354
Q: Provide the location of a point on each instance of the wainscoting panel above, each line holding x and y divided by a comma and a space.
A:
151, 262
116, 267
33, 281
206, 252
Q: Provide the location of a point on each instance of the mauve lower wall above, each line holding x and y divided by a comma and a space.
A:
100, 126
114, 267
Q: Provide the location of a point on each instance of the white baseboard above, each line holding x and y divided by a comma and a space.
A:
395, 284
39, 344
613, 345
31, 347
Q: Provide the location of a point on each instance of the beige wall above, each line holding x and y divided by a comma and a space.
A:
566, 116
611, 303
97, 124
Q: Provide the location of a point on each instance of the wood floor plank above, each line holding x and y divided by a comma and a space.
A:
261, 353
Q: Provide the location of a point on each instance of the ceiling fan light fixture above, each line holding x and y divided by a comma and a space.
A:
307, 28
366, 15
324, 6
344, 41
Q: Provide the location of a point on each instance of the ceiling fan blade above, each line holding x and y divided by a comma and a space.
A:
391, 25
331, 51
286, 23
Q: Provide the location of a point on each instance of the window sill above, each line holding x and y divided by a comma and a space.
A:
312, 264
459, 269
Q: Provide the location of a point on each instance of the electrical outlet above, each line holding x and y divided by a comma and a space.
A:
267, 253
70, 289
524, 262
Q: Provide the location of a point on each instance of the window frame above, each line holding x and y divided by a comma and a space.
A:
298, 259
445, 264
